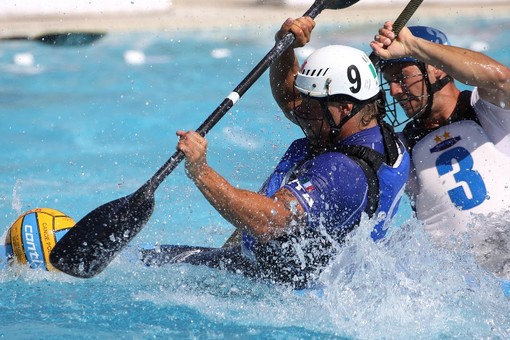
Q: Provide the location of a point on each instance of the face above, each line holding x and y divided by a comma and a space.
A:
310, 117
407, 86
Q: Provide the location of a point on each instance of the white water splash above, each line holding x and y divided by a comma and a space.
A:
406, 287
17, 203
237, 136
491, 242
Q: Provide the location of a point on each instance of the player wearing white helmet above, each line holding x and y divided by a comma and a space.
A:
348, 163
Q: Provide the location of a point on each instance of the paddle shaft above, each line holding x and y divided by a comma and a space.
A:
282, 45
70, 39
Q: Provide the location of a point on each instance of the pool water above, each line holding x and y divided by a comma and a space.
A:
82, 126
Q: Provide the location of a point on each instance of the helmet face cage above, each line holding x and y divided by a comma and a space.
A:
428, 33
308, 119
393, 104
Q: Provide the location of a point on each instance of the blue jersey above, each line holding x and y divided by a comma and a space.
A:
332, 188
365, 173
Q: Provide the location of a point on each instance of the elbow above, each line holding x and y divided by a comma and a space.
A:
502, 88
265, 231
502, 79
268, 228
497, 89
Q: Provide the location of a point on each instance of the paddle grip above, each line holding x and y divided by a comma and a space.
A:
401, 21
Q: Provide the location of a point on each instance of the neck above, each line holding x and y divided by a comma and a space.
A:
443, 107
355, 125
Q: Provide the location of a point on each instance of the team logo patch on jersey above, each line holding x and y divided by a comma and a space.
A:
444, 141
307, 185
305, 188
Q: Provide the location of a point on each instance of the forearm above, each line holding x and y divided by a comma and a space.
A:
286, 67
469, 67
259, 215
281, 78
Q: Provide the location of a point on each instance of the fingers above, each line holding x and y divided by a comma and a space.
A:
194, 147
285, 28
191, 143
387, 45
385, 36
387, 30
301, 28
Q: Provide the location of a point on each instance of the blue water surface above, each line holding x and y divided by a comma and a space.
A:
82, 126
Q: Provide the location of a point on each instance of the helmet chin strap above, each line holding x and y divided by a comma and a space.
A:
335, 129
440, 83
431, 89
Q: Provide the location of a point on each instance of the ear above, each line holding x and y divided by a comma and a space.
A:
438, 73
345, 108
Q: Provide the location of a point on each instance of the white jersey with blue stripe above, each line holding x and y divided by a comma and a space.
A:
462, 169
462, 177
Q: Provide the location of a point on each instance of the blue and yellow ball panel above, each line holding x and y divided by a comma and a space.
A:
32, 240
34, 234
16, 241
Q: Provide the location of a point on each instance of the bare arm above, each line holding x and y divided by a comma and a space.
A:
285, 68
262, 216
469, 67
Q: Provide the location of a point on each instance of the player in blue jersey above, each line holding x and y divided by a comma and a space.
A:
459, 140
349, 163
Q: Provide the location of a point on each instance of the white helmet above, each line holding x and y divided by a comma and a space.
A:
338, 70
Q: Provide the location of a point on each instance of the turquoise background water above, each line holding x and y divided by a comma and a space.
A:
85, 125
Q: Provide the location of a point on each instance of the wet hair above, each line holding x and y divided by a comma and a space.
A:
374, 110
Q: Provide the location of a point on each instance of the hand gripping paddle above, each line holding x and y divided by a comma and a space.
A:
401, 21
97, 238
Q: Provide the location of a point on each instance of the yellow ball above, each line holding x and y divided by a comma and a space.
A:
34, 234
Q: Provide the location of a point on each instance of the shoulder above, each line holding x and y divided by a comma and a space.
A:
299, 143
494, 120
297, 151
338, 169
298, 146
335, 159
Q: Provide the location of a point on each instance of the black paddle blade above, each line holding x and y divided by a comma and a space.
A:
339, 4
320, 5
96, 239
71, 39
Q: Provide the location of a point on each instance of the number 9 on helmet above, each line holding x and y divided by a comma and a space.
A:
339, 71
33, 235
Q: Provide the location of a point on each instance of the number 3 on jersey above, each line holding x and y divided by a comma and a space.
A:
473, 193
